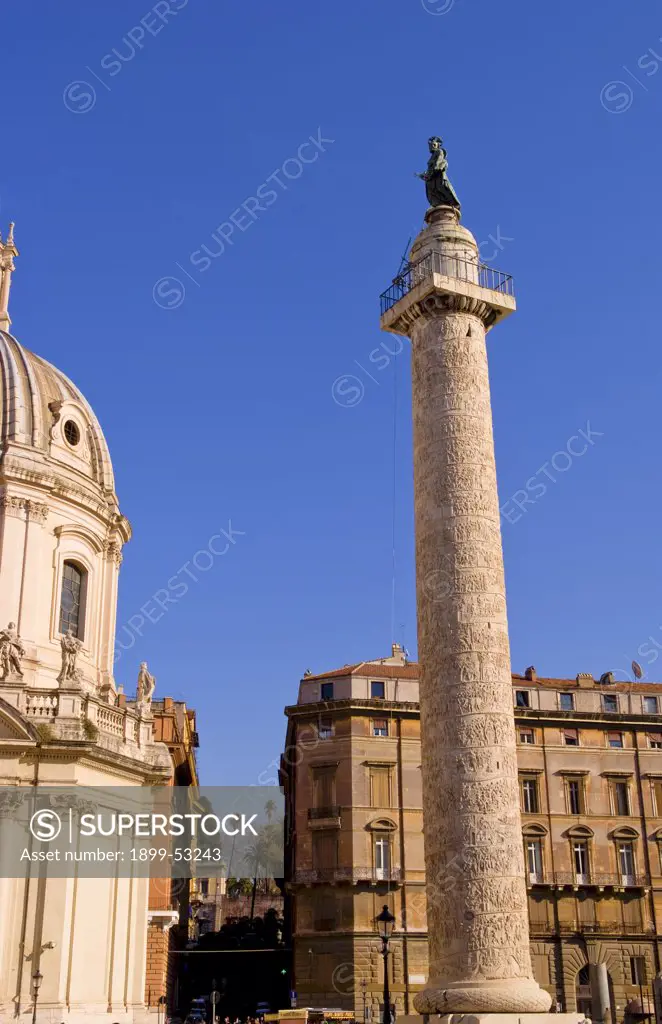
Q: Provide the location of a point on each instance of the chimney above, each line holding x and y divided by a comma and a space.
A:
530, 674
585, 680
398, 654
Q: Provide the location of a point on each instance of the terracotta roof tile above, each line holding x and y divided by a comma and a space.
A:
411, 671
370, 668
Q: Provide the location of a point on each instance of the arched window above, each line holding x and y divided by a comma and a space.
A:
72, 599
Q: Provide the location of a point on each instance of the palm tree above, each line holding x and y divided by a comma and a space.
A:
270, 807
253, 858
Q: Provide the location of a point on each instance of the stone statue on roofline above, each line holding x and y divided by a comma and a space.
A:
11, 652
438, 188
145, 688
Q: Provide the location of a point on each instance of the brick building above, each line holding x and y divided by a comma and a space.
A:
169, 899
590, 763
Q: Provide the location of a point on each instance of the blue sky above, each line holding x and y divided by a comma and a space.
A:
217, 398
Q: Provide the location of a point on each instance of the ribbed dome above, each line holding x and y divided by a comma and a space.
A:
42, 409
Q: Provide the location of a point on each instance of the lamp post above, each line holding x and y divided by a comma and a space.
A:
385, 923
37, 979
364, 991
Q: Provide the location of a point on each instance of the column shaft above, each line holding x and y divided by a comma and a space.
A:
477, 904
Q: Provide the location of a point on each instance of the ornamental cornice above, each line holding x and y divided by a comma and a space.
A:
163, 919
24, 508
431, 306
104, 506
328, 707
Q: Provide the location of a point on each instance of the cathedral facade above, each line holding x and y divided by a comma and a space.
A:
71, 948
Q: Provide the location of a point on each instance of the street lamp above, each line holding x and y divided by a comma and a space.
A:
37, 979
385, 923
364, 990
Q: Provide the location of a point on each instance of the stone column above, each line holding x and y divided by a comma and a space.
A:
477, 902
600, 999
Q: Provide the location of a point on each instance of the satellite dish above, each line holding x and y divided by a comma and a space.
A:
637, 670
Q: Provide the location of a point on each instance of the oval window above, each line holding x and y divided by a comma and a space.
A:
71, 432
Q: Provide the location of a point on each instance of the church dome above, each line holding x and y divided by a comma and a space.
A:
61, 528
43, 414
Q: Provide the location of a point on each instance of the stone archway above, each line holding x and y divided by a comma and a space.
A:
583, 991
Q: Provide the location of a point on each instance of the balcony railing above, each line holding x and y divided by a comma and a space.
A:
351, 875
435, 262
40, 705
594, 879
613, 928
591, 928
331, 811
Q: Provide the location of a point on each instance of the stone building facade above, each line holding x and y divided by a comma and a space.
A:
590, 773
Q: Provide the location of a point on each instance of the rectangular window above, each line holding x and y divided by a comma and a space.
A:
650, 705
326, 691
571, 737
324, 787
380, 727
527, 736
534, 860
325, 729
377, 690
530, 796
522, 699
567, 701
575, 796
609, 702
380, 787
580, 861
626, 862
638, 970
382, 858
324, 912
657, 792
655, 740
615, 739
325, 851
621, 798
585, 911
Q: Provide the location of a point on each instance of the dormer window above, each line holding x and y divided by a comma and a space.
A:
72, 599
522, 699
326, 691
377, 690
